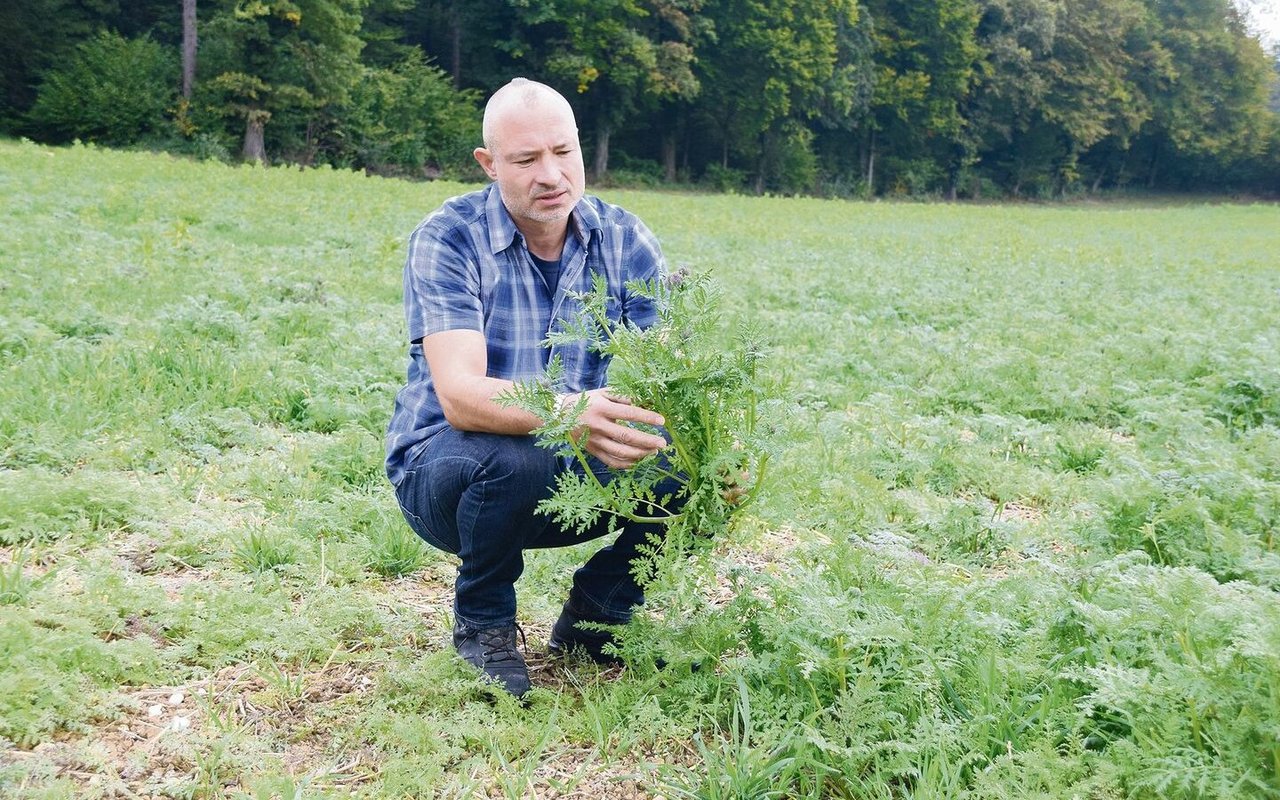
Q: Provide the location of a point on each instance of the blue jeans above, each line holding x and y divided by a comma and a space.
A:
474, 495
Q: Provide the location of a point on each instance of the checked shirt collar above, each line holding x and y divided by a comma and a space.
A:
583, 222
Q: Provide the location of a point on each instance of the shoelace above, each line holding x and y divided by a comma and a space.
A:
497, 641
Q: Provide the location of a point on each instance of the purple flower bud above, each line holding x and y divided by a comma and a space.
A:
675, 279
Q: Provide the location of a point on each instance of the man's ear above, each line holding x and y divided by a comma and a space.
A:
485, 159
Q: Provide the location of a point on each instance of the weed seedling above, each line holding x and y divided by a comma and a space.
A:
285, 688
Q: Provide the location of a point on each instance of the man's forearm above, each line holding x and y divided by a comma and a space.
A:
471, 405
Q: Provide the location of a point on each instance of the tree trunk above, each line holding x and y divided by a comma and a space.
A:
725, 127
254, 148
871, 166
188, 47
673, 133
600, 164
954, 169
455, 25
669, 155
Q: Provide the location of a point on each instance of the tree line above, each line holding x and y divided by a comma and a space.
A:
959, 98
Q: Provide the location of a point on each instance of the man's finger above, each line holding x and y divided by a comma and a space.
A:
624, 450
637, 414
634, 438
615, 455
620, 446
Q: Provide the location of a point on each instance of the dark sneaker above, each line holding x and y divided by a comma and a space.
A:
567, 637
493, 652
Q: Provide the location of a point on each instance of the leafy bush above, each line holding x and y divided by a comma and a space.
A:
911, 177
1242, 405
788, 163
1180, 676
113, 90
409, 117
633, 173
724, 179
1216, 522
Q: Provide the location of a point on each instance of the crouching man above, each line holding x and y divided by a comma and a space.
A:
487, 277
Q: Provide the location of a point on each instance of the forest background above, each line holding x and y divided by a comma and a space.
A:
850, 98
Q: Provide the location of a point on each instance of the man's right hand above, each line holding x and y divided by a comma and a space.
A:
618, 445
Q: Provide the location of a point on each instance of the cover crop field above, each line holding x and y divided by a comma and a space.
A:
1019, 540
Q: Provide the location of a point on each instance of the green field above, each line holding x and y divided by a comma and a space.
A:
1020, 539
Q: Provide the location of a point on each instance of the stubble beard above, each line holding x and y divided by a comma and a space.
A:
528, 209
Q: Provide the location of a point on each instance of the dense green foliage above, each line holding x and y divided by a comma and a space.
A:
710, 399
852, 98
110, 89
1019, 538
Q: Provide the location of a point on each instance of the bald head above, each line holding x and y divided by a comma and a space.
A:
531, 151
520, 98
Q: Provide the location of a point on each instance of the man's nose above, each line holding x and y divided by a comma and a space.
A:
546, 172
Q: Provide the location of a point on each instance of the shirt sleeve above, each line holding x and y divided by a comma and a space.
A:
644, 262
441, 282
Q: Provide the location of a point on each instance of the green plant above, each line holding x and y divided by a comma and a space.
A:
735, 767
41, 505
710, 396
515, 775
393, 551
285, 688
1242, 405
1081, 456
724, 179
679, 368
262, 550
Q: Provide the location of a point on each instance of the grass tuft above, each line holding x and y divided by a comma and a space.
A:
260, 551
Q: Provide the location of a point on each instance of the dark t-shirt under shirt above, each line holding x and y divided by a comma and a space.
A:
550, 272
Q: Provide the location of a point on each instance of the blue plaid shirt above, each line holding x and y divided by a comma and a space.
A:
469, 269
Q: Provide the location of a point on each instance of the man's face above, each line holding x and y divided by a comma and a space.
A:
536, 162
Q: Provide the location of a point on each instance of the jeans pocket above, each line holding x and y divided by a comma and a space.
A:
416, 523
